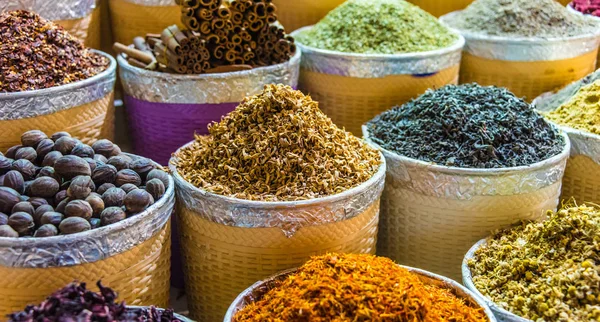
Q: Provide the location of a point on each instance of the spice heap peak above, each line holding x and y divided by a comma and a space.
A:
36, 54
378, 27
277, 146
582, 111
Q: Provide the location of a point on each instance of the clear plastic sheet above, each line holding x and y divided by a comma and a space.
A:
288, 216
28, 104
153, 3
52, 9
464, 184
525, 49
91, 246
256, 291
378, 66
152, 86
501, 314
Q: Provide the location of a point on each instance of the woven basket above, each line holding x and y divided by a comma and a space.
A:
300, 13
258, 289
132, 18
86, 29
229, 243
352, 88
165, 110
441, 7
527, 67
84, 108
132, 256
431, 215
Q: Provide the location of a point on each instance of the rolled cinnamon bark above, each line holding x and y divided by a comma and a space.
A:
136, 63
257, 25
133, 53
169, 40
223, 12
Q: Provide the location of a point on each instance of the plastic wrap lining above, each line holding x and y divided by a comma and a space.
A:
91, 246
152, 86
526, 49
289, 216
464, 184
378, 66
52, 9
29, 104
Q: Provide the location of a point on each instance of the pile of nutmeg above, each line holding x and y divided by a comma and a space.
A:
58, 185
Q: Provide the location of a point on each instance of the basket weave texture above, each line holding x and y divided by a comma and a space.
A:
299, 13
441, 7
581, 180
86, 29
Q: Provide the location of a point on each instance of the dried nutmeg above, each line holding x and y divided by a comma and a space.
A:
32, 138
142, 166
70, 166
60, 196
27, 153
39, 212
160, 175
112, 215
103, 147
37, 202
14, 179
8, 199
45, 187
51, 158
52, 217
100, 158
156, 188
3, 219
128, 187
7, 231
5, 164
92, 163
47, 230
80, 187
74, 225
62, 205
113, 197
116, 151
96, 203
137, 200
65, 145
10, 153
48, 172
104, 174
79, 208
23, 206
104, 187
127, 176
27, 169
22, 223
120, 162
59, 135
44, 147
95, 223
83, 151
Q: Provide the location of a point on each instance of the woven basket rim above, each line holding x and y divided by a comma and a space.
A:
468, 282
109, 72
121, 225
233, 308
307, 50
365, 186
563, 155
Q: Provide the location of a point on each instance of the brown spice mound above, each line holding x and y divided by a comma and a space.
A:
277, 146
36, 54
349, 287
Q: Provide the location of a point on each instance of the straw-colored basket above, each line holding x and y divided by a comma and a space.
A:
221, 260
300, 13
131, 18
441, 7
84, 108
87, 29
431, 215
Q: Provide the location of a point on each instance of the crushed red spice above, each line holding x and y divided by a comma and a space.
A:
36, 54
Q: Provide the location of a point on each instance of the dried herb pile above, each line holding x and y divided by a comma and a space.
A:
277, 146
36, 54
467, 126
348, 287
548, 271
589, 7
582, 111
564, 95
522, 18
378, 27
75, 303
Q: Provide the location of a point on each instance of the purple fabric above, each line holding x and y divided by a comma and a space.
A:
159, 129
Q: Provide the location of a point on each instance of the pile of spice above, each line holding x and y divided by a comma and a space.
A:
349, 287
378, 27
589, 7
521, 18
59, 185
467, 126
564, 95
582, 111
548, 271
75, 303
277, 146
36, 54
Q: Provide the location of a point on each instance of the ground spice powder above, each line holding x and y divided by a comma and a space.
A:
582, 111
277, 146
548, 271
348, 287
565, 94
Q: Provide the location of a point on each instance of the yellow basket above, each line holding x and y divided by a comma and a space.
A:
130, 19
431, 215
133, 257
582, 180
84, 108
223, 254
86, 29
441, 7
294, 14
